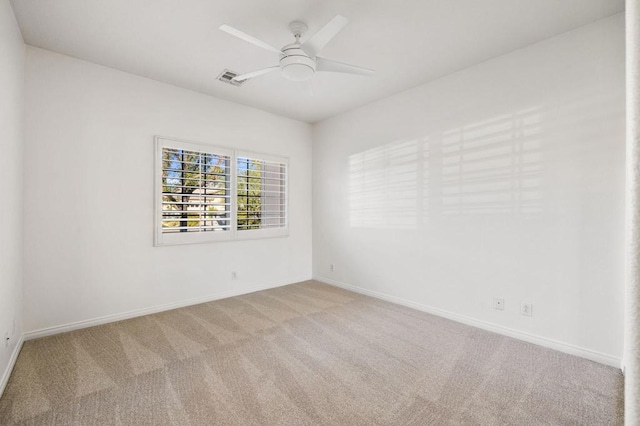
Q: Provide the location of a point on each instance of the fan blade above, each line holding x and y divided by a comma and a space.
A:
323, 64
246, 37
255, 73
314, 45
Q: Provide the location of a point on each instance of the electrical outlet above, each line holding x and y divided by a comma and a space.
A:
526, 309
6, 339
234, 275
332, 267
498, 303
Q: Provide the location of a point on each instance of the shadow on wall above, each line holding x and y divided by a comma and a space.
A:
489, 167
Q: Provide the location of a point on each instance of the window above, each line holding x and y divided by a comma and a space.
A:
261, 193
206, 193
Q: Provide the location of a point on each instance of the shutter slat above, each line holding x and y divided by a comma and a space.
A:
197, 228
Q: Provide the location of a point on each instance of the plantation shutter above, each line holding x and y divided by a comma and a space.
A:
209, 193
196, 191
261, 193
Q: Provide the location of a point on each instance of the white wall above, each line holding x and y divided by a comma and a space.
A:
503, 180
89, 206
11, 97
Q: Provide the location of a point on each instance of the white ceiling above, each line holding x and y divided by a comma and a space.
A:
407, 42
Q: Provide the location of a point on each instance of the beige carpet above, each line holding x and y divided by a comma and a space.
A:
304, 354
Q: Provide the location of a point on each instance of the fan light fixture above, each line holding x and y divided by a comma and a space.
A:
295, 64
296, 71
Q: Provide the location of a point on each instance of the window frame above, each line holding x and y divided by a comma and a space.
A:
233, 234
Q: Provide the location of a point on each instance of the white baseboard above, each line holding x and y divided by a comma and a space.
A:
49, 331
527, 337
12, 362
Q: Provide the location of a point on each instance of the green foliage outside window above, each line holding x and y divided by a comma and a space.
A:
249, 193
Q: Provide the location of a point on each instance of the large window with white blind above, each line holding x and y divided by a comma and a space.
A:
206, 193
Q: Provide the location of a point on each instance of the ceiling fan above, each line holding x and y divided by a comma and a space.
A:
300, 61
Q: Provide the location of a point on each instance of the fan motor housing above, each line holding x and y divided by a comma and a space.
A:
296, 64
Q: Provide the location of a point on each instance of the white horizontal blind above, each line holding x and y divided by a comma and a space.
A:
261, 194
196, 191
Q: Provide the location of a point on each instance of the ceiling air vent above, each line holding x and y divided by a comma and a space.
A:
227, 77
